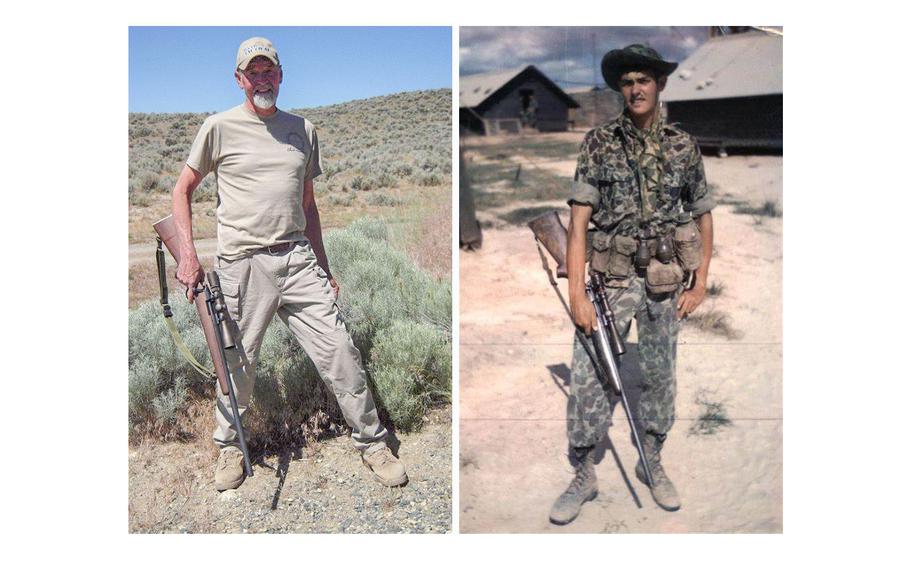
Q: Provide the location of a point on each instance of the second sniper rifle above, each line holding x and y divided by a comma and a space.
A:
608, 345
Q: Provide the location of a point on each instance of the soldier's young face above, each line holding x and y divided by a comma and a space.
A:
640, 91
260, 81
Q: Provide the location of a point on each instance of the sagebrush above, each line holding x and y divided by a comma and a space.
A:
398, 315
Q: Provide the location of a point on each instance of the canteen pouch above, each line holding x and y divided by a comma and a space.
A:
687, 241
662, 278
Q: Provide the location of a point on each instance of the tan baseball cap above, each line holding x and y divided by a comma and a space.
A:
254, 47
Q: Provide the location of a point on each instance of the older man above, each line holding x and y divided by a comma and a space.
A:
270, 255
641, 183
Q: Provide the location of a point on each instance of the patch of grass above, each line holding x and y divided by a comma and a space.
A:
495, 185
382, 200
713, 321
767, 209
712, 416
715, 289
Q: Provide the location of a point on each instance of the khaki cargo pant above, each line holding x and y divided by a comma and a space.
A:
293, 284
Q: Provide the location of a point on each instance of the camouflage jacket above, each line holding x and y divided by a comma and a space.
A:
606, 178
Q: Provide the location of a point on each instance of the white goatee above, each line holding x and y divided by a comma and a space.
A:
264, 100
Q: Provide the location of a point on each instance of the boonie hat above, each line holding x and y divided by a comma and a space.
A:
254, 47
617, 61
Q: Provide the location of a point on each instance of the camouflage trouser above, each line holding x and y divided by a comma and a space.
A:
590, 404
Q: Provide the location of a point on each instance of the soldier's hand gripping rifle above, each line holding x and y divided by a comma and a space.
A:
213, 315
608, 345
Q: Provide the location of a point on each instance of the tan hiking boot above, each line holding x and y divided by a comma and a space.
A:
582, 489
229, 472
663, 491
386, 468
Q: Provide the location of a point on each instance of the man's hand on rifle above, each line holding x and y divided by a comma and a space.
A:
583, 313
190, 273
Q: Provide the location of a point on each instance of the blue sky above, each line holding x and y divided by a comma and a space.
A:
190, 69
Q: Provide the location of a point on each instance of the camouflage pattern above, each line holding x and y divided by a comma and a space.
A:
590, 404
607, 179
663, 490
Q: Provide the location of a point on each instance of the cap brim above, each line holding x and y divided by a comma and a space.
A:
615, 61
244, 63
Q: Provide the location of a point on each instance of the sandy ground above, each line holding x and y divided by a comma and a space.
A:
515, 355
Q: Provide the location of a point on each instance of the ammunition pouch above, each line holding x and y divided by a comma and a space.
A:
687, 242
612, 256
661, 278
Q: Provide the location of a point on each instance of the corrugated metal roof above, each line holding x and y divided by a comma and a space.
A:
738, 65
474, 89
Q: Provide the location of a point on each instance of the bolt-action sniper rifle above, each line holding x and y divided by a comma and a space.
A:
213, 315
550, 232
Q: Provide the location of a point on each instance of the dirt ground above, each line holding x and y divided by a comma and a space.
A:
321, 490
516, 352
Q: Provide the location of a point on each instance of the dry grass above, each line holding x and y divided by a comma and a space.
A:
428, 241
714, 321
715, 289
713, 414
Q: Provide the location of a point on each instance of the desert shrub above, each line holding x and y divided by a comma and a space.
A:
340, 199
424, 179
411, 369
206, 190
399, 317
382, 200
386, 179
382, 284
139, 199
146, 181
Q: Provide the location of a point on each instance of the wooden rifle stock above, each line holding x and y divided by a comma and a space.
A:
549, 230
167, 232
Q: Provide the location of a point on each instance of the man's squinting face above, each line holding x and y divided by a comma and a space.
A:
259, 82
640, 91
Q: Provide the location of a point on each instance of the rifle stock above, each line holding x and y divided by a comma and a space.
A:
549, 230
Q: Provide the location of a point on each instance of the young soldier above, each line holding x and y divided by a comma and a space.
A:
641, 183
271, 257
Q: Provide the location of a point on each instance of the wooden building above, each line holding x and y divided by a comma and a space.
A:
730, 92
513, 100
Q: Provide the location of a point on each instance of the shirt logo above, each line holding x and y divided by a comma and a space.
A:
296, 142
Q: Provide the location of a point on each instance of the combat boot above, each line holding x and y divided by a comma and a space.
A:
582, 489
229, 472
663, 491
386, 468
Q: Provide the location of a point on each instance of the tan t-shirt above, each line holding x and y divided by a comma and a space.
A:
260, 165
